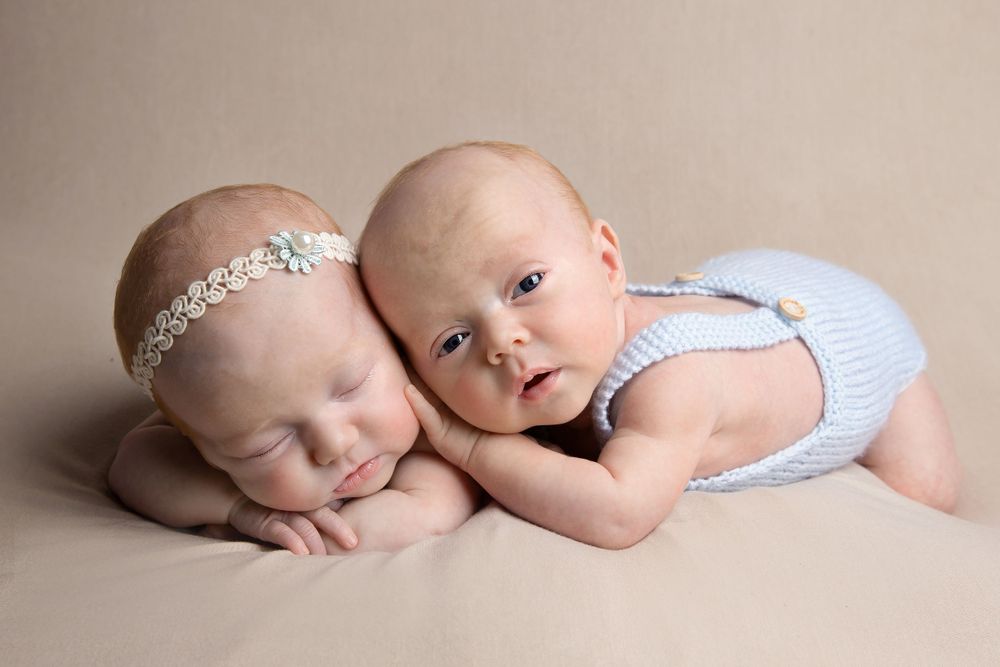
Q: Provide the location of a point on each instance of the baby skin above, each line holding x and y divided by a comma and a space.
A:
282, 408
511, 304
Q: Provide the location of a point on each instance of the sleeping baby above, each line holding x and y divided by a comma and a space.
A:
285, 398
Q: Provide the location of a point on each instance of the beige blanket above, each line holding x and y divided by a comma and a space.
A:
865, 133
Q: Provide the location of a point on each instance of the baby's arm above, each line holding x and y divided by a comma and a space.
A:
426, 496
158, 473
613, 502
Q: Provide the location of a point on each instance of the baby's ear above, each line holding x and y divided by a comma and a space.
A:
606, 242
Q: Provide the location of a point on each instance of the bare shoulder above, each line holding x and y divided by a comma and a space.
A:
641, 311
681, 393
679, 396
428, 472
157, 418
446, 496
745, 403
664, 419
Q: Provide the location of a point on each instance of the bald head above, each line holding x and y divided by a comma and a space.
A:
451, 186
479, 258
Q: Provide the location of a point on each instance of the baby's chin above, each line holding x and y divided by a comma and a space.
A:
517, 423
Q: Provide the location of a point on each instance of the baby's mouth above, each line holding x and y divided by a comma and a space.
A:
534, 381
359, 475
536, 384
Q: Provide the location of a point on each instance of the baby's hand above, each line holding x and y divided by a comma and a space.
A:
451, 436
297, 532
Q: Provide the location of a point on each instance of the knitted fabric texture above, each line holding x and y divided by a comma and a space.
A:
865, 347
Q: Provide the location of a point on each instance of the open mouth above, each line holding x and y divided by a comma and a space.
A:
533, 382
538, 385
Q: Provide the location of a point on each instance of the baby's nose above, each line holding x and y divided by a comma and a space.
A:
502, 339
334, 442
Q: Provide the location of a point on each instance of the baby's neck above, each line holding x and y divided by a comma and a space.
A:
635, 314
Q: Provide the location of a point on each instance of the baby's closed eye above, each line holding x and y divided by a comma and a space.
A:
271, 449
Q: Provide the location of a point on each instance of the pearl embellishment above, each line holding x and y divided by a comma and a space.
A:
298, 251
303, 242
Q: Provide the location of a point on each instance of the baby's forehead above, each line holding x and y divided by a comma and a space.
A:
212, 243
470, 196
291, 311
463, 200
283, 324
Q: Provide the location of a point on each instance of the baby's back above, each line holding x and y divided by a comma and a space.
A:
811, 358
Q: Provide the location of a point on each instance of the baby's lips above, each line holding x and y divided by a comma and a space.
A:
522, 380
364, 471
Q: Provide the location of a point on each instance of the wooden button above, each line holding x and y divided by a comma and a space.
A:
688, 277
791, 308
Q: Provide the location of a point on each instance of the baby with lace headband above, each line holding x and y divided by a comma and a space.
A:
240, 312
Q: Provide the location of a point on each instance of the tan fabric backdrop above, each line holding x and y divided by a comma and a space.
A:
864, 132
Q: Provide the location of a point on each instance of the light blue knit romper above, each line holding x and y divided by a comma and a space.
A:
866, 350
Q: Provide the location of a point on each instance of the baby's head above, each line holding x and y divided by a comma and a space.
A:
506, 295
291, 385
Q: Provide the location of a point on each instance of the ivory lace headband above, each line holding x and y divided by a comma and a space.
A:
295, 251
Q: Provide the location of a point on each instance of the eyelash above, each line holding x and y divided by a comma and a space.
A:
520, 286
358, 385
275, 446
270, 449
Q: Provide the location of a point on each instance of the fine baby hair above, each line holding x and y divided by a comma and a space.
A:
178, 240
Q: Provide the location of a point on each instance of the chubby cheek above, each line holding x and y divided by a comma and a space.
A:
463, 396
488, 404
395, 425
283, 489
472, 395
592, 337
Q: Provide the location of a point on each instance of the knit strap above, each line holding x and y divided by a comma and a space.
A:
678, 334
715, 284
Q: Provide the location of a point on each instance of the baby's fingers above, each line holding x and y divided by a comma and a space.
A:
281, 534
450, 436
428, 416
304, 528
334, 525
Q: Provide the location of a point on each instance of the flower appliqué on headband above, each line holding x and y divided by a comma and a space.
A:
300, 249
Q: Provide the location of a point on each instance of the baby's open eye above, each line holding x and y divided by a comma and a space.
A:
527, 284
451, 344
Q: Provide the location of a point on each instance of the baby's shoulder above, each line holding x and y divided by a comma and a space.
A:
643, 310
684, 391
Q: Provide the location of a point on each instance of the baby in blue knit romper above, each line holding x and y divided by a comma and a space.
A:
759, 368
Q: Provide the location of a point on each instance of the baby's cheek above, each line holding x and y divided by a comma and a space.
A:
596, 339
399, 423
281, 489
463, 390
